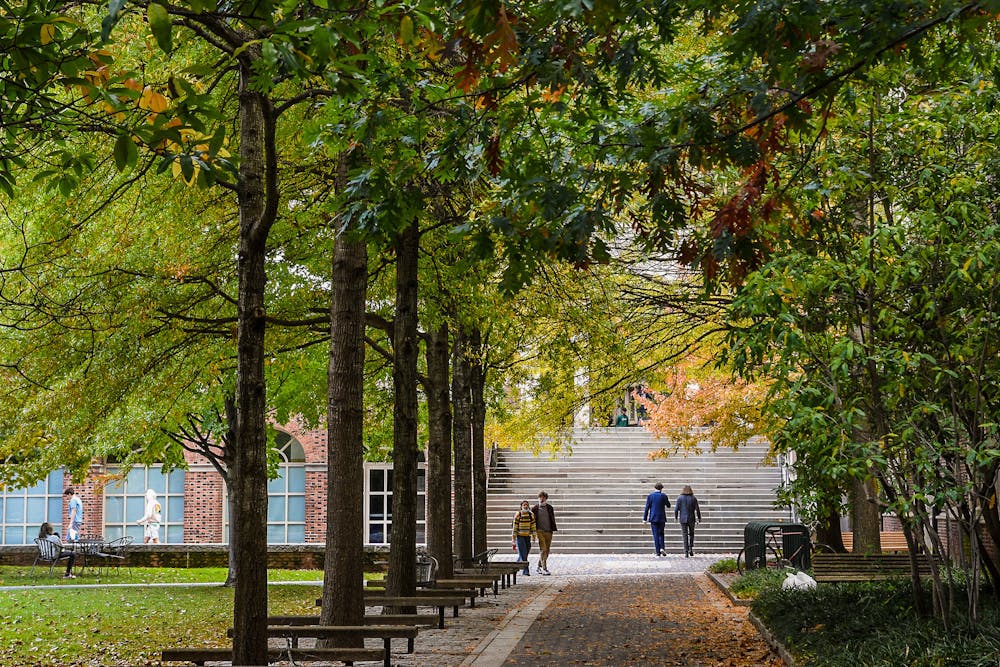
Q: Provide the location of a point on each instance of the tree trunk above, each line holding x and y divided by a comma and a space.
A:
828, 530
343, 568
439, 452
866, 519
228, 453
477, 380
462, 401
257, 208
401, 579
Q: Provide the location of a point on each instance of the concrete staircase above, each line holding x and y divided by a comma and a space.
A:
599, 490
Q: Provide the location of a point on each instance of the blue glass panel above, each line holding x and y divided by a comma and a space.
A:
388, 480
388, 511
276, 508
136, 533
15, 535
14, 511
421, 511
296, 479
296, 533
175, 481
36, 511
135, 508
421, 481
112, 532
115, 487
297, 509
157, 481
375, 534
376, 480
54, 514
174, 508
114, 509
136, 480
276, 534
37, 489
421, 535
56, 482
174, 535
276, 485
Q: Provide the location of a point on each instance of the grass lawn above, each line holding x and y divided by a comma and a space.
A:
54, 623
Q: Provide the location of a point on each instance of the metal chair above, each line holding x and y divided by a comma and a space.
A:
115, 553
48, 552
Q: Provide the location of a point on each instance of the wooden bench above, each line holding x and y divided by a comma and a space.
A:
831, 568
200, 656
415, 620
508, 570
891, 540
482, 582
384, 632
439, 601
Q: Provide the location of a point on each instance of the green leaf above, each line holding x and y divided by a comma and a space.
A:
126, 154
159, 24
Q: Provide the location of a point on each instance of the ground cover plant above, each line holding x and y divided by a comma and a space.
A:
873, 624
104, 625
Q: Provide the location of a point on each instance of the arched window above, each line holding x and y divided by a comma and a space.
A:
125, 503
23, 511
286, 494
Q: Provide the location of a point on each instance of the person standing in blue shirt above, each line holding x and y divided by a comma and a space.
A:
656, 514
75, 514
687, 512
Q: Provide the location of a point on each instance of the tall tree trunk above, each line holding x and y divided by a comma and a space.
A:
228, 453
343, 567
461, 397
439, 543
401, 579
477, 381
257, 208
828, 529
866, 519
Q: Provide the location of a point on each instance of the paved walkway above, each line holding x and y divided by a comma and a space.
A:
600, 610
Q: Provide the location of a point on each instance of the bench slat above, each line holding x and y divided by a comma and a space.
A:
866, 567
200, 656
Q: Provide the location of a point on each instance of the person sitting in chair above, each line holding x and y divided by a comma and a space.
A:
47, 532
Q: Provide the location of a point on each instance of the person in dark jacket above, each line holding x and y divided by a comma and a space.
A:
687, 512
656, 514
545, 523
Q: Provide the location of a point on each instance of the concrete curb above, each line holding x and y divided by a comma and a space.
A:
725, 589
493, 650
773, 641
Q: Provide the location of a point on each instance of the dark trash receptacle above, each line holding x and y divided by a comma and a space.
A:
758, 534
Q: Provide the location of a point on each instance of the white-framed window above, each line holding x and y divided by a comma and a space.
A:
378, 507
286, 494
23, 511
125, 503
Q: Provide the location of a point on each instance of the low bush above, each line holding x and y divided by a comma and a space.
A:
873, 624
724, 566
754, 582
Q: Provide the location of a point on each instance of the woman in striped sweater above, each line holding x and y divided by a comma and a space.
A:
523, 534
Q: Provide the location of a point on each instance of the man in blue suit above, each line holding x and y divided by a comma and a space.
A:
656, 514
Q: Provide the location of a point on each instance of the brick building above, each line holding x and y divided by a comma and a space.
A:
194, 500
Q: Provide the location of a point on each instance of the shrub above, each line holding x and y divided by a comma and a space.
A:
724, 566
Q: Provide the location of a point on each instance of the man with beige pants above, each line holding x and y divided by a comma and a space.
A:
545, 521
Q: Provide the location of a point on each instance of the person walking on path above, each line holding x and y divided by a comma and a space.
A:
524, 529
151, 519
687, 512
656, 514
75, 514
545, 522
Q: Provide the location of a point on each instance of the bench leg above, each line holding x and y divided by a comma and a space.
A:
455, 611
388, 652
472, 601
409, 644
441, 617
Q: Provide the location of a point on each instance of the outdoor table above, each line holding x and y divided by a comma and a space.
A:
86, 547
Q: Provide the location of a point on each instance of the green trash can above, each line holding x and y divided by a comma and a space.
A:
795, 545
761, 540
754, 549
